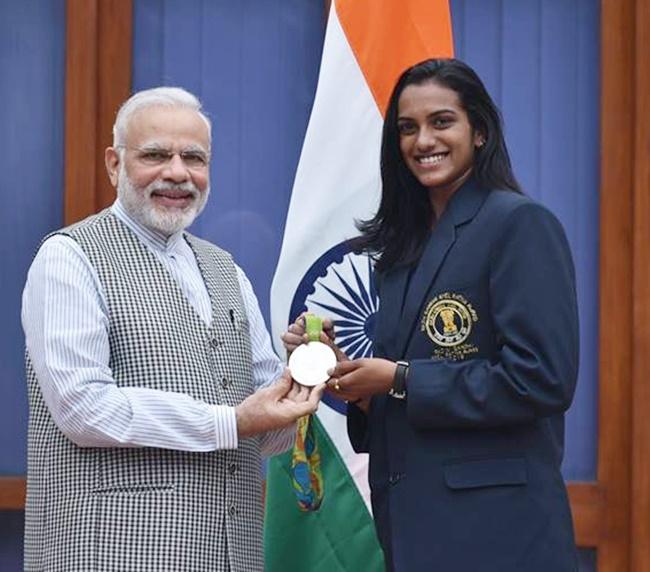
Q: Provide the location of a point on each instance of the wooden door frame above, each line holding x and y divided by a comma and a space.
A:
616, 290
640, 444
98, 79
623, 535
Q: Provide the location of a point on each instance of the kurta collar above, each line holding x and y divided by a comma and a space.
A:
154, 239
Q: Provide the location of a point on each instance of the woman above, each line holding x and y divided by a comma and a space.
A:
476, 347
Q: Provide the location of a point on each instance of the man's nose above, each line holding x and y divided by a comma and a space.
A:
175, 170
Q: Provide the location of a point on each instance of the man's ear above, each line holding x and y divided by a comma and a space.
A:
112, 161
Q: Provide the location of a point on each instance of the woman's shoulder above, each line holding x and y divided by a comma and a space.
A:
510, 204
507, 200
516, 216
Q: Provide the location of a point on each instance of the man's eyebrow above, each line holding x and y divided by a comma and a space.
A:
155, 146
196, 147
152, 146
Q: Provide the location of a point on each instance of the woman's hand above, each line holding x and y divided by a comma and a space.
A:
296, 335
361, 378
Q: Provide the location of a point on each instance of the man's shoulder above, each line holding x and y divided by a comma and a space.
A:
65, 239
80, 228
93, 221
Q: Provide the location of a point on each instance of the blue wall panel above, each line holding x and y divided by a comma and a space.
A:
540, 61
31, 91
255, 67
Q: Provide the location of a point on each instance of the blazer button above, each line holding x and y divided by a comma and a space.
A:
233, 468
394, 478
232, 510
215, 343
225, 382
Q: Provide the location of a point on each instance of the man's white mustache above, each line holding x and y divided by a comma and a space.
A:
172, 189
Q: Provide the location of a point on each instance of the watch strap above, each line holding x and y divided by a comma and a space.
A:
398, 390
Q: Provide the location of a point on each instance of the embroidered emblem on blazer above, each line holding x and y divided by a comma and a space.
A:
448, 320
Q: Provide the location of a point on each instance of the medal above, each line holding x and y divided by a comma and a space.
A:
310, 362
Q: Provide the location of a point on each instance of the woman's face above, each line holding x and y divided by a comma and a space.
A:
436, 139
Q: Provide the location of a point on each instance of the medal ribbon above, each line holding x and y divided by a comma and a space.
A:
306, 473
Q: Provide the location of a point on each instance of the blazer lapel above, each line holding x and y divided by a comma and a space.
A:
462, 208
440, 241
391, 290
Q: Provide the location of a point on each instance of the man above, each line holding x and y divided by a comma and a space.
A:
150, 371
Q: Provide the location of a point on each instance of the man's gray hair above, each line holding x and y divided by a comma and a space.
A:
157, 96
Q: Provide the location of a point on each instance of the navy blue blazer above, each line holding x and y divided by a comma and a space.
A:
465, 473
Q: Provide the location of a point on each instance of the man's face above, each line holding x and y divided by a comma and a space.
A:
162, 171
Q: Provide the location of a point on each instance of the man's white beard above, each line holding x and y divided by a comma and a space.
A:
141, 207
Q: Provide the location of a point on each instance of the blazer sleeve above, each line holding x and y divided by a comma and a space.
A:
534, 310
357, 422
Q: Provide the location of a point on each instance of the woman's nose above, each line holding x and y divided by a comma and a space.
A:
426, 138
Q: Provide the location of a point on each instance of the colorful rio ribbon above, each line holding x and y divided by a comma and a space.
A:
307, 477
368, 44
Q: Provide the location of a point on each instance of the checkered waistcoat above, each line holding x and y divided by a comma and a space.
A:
113, 509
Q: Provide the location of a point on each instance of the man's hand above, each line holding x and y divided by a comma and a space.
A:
276, 407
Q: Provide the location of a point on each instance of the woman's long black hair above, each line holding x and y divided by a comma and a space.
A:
397, 234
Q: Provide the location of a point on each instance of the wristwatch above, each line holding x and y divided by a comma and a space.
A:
398, 391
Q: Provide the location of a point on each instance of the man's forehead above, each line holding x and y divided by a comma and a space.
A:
163, 125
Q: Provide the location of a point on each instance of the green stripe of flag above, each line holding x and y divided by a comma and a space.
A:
340, 537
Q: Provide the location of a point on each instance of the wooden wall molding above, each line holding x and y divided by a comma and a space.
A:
586, 503
12, 493
587, 506
98, 80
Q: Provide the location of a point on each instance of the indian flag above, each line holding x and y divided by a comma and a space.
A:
367, 45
